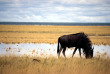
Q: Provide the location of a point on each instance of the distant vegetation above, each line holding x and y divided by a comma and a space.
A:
50, 34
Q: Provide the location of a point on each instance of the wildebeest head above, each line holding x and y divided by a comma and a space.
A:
90, 53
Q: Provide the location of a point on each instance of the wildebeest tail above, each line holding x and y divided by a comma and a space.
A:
58, 46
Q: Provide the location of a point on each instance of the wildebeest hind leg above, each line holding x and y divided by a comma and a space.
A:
59, 52
74, 52
64, 52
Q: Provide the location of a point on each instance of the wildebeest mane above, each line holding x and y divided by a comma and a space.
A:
86, 41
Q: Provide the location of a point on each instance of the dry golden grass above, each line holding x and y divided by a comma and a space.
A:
26, 65
50, 34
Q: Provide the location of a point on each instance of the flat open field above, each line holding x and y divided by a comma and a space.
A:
26, 65
51, 65
50, 34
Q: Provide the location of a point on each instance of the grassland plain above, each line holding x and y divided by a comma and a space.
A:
50, 34
26, 65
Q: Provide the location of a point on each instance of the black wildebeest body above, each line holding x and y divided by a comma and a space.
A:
78, 40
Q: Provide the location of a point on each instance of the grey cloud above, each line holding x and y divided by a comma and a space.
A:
55, 10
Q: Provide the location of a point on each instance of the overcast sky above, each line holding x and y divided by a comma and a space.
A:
55, 10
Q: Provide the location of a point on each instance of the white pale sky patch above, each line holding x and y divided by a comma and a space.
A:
55, 11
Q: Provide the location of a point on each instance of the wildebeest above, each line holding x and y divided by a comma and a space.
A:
78, 40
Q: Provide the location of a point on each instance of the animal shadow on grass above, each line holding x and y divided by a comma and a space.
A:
37, 60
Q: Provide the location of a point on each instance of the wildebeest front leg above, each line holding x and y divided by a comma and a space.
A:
59, 52
64, 52
80, 52
74, 52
